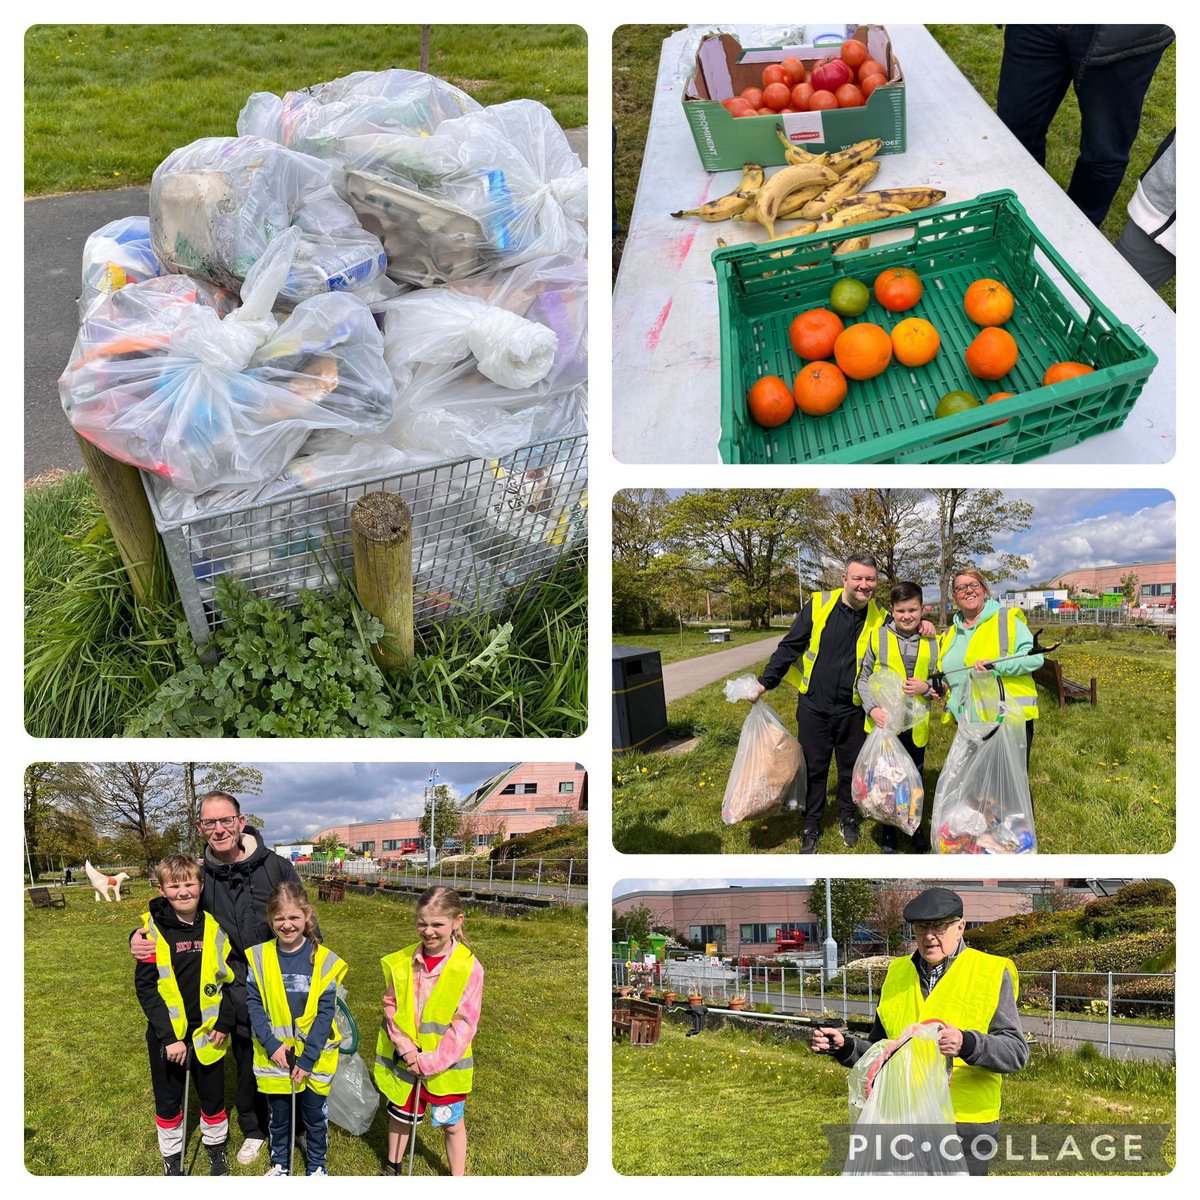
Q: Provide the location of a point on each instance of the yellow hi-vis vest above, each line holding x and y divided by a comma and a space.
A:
328, 971
799, 674
966, 997
990, 640
885, 645
214, 975
391, 1076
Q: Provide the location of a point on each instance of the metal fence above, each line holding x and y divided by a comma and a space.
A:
563, 879
1104, 616
1122, 1014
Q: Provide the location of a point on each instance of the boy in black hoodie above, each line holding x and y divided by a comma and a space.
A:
189, 1012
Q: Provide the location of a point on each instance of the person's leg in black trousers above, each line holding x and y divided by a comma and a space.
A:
250, 1103
1035, 73
816, 739
849, 732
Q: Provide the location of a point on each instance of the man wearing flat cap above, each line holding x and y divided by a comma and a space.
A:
973, 995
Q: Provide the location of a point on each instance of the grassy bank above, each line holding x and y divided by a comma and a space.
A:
1102, 779
105, 104
88, 1104
675, 1105
695, 639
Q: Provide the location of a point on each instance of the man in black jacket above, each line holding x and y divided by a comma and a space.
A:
239, 873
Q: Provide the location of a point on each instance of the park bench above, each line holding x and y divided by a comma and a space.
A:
1050, 676
641, 1022
1170, 633
333, 892
42, 897
719, 635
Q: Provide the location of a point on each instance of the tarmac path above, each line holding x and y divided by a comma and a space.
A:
691, 674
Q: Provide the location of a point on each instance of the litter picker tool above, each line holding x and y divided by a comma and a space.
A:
291, 1061
187, 1090
412, 1137
937, 679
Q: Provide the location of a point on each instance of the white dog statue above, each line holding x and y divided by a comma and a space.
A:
105, 884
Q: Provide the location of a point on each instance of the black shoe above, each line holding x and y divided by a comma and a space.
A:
809, 844
173, 1164
850, 834
218, 1162
887, 843
391, 1168
887, 848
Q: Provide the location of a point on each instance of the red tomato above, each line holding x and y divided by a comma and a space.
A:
871, 67
789, 109
801, 94
869, 84
848, 96
774, 73
854, 54
830, 75
766, 112
821, 100
752, 96
795, 69
776, 95
739, 107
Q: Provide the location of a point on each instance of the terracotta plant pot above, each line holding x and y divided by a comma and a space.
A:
624, 991
737, 1004
668, 997
695, 1001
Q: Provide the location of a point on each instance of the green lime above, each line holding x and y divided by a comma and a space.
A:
955, 402
849, 298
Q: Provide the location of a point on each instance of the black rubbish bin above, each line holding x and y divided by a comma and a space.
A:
639, 705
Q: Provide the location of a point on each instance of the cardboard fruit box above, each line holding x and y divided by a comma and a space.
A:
724, 69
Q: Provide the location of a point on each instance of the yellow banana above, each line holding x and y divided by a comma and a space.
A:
790, 207
852, 244
858, 214
737, 201
911, 197
852, 156
782, 184
854, 179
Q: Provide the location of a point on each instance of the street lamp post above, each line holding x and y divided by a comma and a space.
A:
432, 788
830, 944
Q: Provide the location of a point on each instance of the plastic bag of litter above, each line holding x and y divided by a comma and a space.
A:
768, 769
903, 1086
983, 803
159, 380
353, 1100
216, 204
116, 254
886, 785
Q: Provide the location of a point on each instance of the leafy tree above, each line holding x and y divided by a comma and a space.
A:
635, 924
443, 819
328, 844
637, 517
852, 903
896, 525
745, 535
1130, 587
891, 898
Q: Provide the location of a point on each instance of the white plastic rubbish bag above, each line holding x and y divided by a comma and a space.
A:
159, 380
886, 785
768, 769
900, 1101
353, 1100
216, 204
983, 803
116, 254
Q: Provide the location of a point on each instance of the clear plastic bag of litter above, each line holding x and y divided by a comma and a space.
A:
983, 804
117, 254
353, 1100
886, 785
899, 1099
158, 379
768, 769
216, 204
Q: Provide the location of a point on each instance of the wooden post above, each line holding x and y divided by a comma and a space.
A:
424, 47
381, 534
123, 499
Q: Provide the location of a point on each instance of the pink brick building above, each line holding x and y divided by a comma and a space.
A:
519, 800
1156, 581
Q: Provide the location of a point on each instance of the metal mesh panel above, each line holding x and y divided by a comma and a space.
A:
480, 528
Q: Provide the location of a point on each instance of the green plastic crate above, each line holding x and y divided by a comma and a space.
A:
891, 418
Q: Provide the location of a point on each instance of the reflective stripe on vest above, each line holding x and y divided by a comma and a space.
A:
391, 1076
214, 975
798, 675
966, 996
328, 971
889, 657
993, 639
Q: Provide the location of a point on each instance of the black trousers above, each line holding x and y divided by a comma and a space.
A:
251, 1104
824, 737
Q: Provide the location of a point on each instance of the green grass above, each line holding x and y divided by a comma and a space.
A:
88, 1104
695, 639
676, 1105
976, 51
94, 661
105, 104
1103, 778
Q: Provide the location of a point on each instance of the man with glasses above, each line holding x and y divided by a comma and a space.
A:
974, 997
239, 874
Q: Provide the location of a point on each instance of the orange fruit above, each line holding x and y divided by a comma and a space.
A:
898, 289
988, 302
863, 351
992, 400
819, 389
915, 342
992, 354
1065, 370
813, 333
771, 401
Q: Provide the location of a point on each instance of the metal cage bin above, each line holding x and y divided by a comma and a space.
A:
481, 527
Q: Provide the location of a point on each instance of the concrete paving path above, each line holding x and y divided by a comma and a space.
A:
690, 675
56, 228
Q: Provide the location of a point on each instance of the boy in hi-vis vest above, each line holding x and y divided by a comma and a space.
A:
431, 1006
189, 1014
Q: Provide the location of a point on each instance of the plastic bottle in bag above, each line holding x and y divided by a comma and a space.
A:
886, 785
